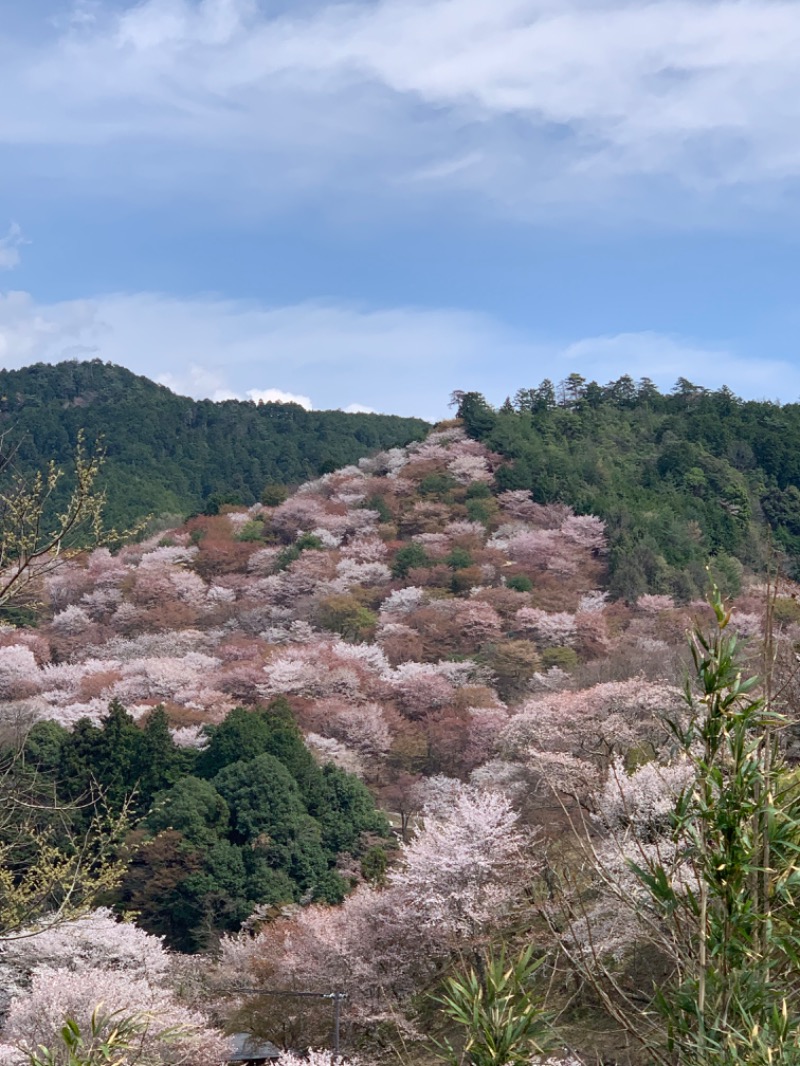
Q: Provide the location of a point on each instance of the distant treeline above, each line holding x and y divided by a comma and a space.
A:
171, 454
679, 478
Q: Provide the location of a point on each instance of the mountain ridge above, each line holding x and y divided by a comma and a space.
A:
167, 453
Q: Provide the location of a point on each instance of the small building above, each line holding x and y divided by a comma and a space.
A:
248, 1050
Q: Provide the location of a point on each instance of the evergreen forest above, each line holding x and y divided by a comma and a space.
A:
677, 477
168, 454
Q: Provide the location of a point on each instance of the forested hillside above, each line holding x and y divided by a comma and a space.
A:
677, 478
169, 454
407, 633
391, 724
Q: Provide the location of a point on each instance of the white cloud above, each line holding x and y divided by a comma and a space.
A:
278, 396
10, 246
358, 409
407, 360
214, 348
666, 358
534, 103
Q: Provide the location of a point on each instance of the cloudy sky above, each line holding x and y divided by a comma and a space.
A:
368, 204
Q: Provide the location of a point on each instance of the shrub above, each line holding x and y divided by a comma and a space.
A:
519, 583
408, 557
564, 658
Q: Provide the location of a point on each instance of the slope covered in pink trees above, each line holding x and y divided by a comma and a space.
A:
450, 644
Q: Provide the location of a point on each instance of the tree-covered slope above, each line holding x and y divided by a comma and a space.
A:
677, 478
169, 453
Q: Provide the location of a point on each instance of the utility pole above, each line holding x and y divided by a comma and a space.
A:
337, 999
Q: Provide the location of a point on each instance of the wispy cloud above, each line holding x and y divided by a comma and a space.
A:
404, 360
224, 349
531, 103
10, 247
278, 396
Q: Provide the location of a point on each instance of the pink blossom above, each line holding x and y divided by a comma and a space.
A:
643, 800
189, 736
328, 750
263, 560
462, 869
587, 531
313, 1058
19, 672
436, 545
548, 628
613, 716
467, 468
365, 549
35, 1019
402, 600
655, 604
349, 573
71, 620
592, 602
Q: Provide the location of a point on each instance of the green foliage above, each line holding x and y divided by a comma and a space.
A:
110, 1041
562, 657
273, 495
251, 820
497, 1012
679, 479
520, 583
786, 610
513, 663
734, 993
408, 557
374, 864
193, 808
459, 559
344, 614
251, 532
439, 485
128, 765
196, 455
479, 511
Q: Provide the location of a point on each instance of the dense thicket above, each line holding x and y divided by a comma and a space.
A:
249, 821
677, 478
171, 454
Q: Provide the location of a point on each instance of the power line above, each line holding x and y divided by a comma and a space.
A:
336, 997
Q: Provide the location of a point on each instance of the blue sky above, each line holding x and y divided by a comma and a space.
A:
374, 203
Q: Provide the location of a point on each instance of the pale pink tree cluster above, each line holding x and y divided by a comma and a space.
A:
469, 468
99, 966
170, 1033
548, 628
655, 604
457, 880
329, 750
363, 727
644, 800
314, 1057
519, 504
564, 735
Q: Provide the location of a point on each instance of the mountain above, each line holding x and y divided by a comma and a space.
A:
679, 479
171, 454
408, 632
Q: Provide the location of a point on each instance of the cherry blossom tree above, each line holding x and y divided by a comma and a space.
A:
97, 964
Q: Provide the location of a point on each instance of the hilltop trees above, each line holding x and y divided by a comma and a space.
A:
677, 479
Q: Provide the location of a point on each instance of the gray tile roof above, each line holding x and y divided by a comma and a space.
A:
244, 1048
